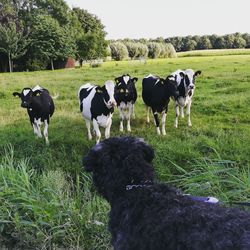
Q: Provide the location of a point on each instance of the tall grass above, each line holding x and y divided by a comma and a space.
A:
214, 177
44, 211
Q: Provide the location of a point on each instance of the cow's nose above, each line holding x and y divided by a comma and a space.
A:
112, 103
24, 104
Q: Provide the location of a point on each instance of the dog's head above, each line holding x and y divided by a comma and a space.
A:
117, 162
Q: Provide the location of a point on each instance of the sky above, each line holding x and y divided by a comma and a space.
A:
167, 18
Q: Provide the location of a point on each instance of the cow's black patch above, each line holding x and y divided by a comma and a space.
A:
82, 95
98, 106
125, 92
156, 93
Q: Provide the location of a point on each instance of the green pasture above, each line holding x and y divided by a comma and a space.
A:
210, 158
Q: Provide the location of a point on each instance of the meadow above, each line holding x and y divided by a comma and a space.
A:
47, 200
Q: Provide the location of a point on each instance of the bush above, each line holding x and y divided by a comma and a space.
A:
154, 50
35, 65
119, 51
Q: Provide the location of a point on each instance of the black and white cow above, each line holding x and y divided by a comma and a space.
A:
156, 93
97, 105
185, 84
125, 96
40, 108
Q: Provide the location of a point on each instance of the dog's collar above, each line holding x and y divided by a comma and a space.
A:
145, 184
209, 199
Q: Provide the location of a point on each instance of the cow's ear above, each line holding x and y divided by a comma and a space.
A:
100, 89
182, 75
117, 80
134, 80
161, 80
37, 92
16, 94
198, 72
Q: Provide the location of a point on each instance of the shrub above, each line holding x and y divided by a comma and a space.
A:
154, 50
119, 51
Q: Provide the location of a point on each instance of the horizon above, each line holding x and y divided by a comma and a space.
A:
182, 18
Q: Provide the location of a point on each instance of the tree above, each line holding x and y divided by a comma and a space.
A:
89, 48
239, 41
154, 50
12, 43
142, 50
219, 43
229, 40
50, 41
89, 22
204, 43
133, 49
92, 36
246, 37
118, 51
189, 43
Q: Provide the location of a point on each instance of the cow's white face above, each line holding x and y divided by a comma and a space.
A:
124, 86
189, 80
25, 96
186, 81
109, 98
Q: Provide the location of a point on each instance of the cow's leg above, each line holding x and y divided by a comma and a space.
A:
177, 113
156, 120
121, 112
129, 114
163, 121
133, 111
97, 130
38, 125
148, 111
88, 125
45, 131
35, 130
107, 129
182, 111
189, 113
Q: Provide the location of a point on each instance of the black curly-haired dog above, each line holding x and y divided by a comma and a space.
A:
146, 215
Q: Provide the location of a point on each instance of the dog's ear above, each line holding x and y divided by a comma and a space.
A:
85, 163
90, 158
138, 164
147, 150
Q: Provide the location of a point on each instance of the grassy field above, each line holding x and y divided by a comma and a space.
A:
214, 52
46, 200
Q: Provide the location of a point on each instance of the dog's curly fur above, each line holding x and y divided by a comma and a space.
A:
154, 216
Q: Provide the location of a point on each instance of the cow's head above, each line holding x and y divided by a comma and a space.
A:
108, 94
125, 85
188, 80
172, 87
26, 96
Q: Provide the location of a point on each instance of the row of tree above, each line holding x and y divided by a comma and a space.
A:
37, 34
187, 43
137, 50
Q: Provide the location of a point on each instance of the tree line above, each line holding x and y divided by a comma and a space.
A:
229, 41
38, 34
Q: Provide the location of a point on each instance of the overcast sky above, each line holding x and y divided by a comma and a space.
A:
167, 18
